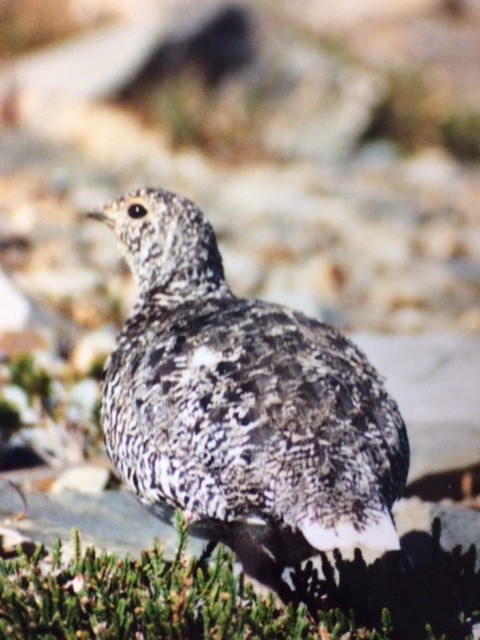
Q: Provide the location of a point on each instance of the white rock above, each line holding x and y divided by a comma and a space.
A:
18, 398
15, 309
243, 271
92, 347
74, 67
85, 478
281, 287
58, 283
53, 443
431, 167
81, 400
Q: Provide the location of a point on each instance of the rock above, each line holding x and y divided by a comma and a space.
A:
63, 284
86, 478
440, 241
434, 379
459, 526
60, 69
432, 168
112, 521
311, 121
281, 288
243, 270
15, 307
71, 67
469, 320
311, 286
92, 348
17, 343
11, 540
19, 399
82, 399
54, 444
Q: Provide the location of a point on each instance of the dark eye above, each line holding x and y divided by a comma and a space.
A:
137, 211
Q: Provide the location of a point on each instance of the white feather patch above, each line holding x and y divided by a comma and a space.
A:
204, 357
379, 535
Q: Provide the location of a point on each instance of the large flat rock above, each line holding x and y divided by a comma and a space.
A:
435, 378
112, 521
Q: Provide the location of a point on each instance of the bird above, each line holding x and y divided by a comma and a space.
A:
269, 430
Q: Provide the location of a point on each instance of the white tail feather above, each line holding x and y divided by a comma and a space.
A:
378, 534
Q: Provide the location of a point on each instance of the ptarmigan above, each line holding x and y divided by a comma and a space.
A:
269, 429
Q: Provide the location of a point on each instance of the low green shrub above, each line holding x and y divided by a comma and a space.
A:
105, 597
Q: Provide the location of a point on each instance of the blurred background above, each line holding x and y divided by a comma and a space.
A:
335, 147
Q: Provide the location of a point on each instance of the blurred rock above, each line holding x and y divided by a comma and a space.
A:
53, 443
86, 478
17, 343
72, 68
156, 36
312, 121
431, 167
15, 307
18, 398
308, 286
92, 348
82, 399
243, 270
219, 43
11, 540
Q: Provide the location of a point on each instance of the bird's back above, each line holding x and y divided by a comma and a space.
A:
241, 410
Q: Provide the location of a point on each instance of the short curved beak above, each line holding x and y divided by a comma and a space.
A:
101, 216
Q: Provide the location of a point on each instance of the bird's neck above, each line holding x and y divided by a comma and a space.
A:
183, 267
185, 283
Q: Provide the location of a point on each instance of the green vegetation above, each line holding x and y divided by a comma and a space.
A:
102, 596
413, 114
50, 400
409, 115
33, 379
461, 133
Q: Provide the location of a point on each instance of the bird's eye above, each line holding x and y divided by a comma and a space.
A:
137, 210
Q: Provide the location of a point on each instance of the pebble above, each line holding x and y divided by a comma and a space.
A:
243, 270
81, 400
18, 397
15, 307
92, 348
85, 478
431, 167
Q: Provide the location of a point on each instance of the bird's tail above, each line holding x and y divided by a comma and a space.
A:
377, 533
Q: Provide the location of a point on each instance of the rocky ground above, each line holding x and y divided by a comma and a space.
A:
335, 150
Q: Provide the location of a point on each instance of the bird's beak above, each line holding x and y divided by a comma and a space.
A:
102, 217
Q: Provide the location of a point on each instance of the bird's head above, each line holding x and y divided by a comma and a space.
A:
167, 242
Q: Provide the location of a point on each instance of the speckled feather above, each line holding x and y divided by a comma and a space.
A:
239, 411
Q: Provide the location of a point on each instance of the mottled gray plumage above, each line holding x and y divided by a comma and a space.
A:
269, 429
